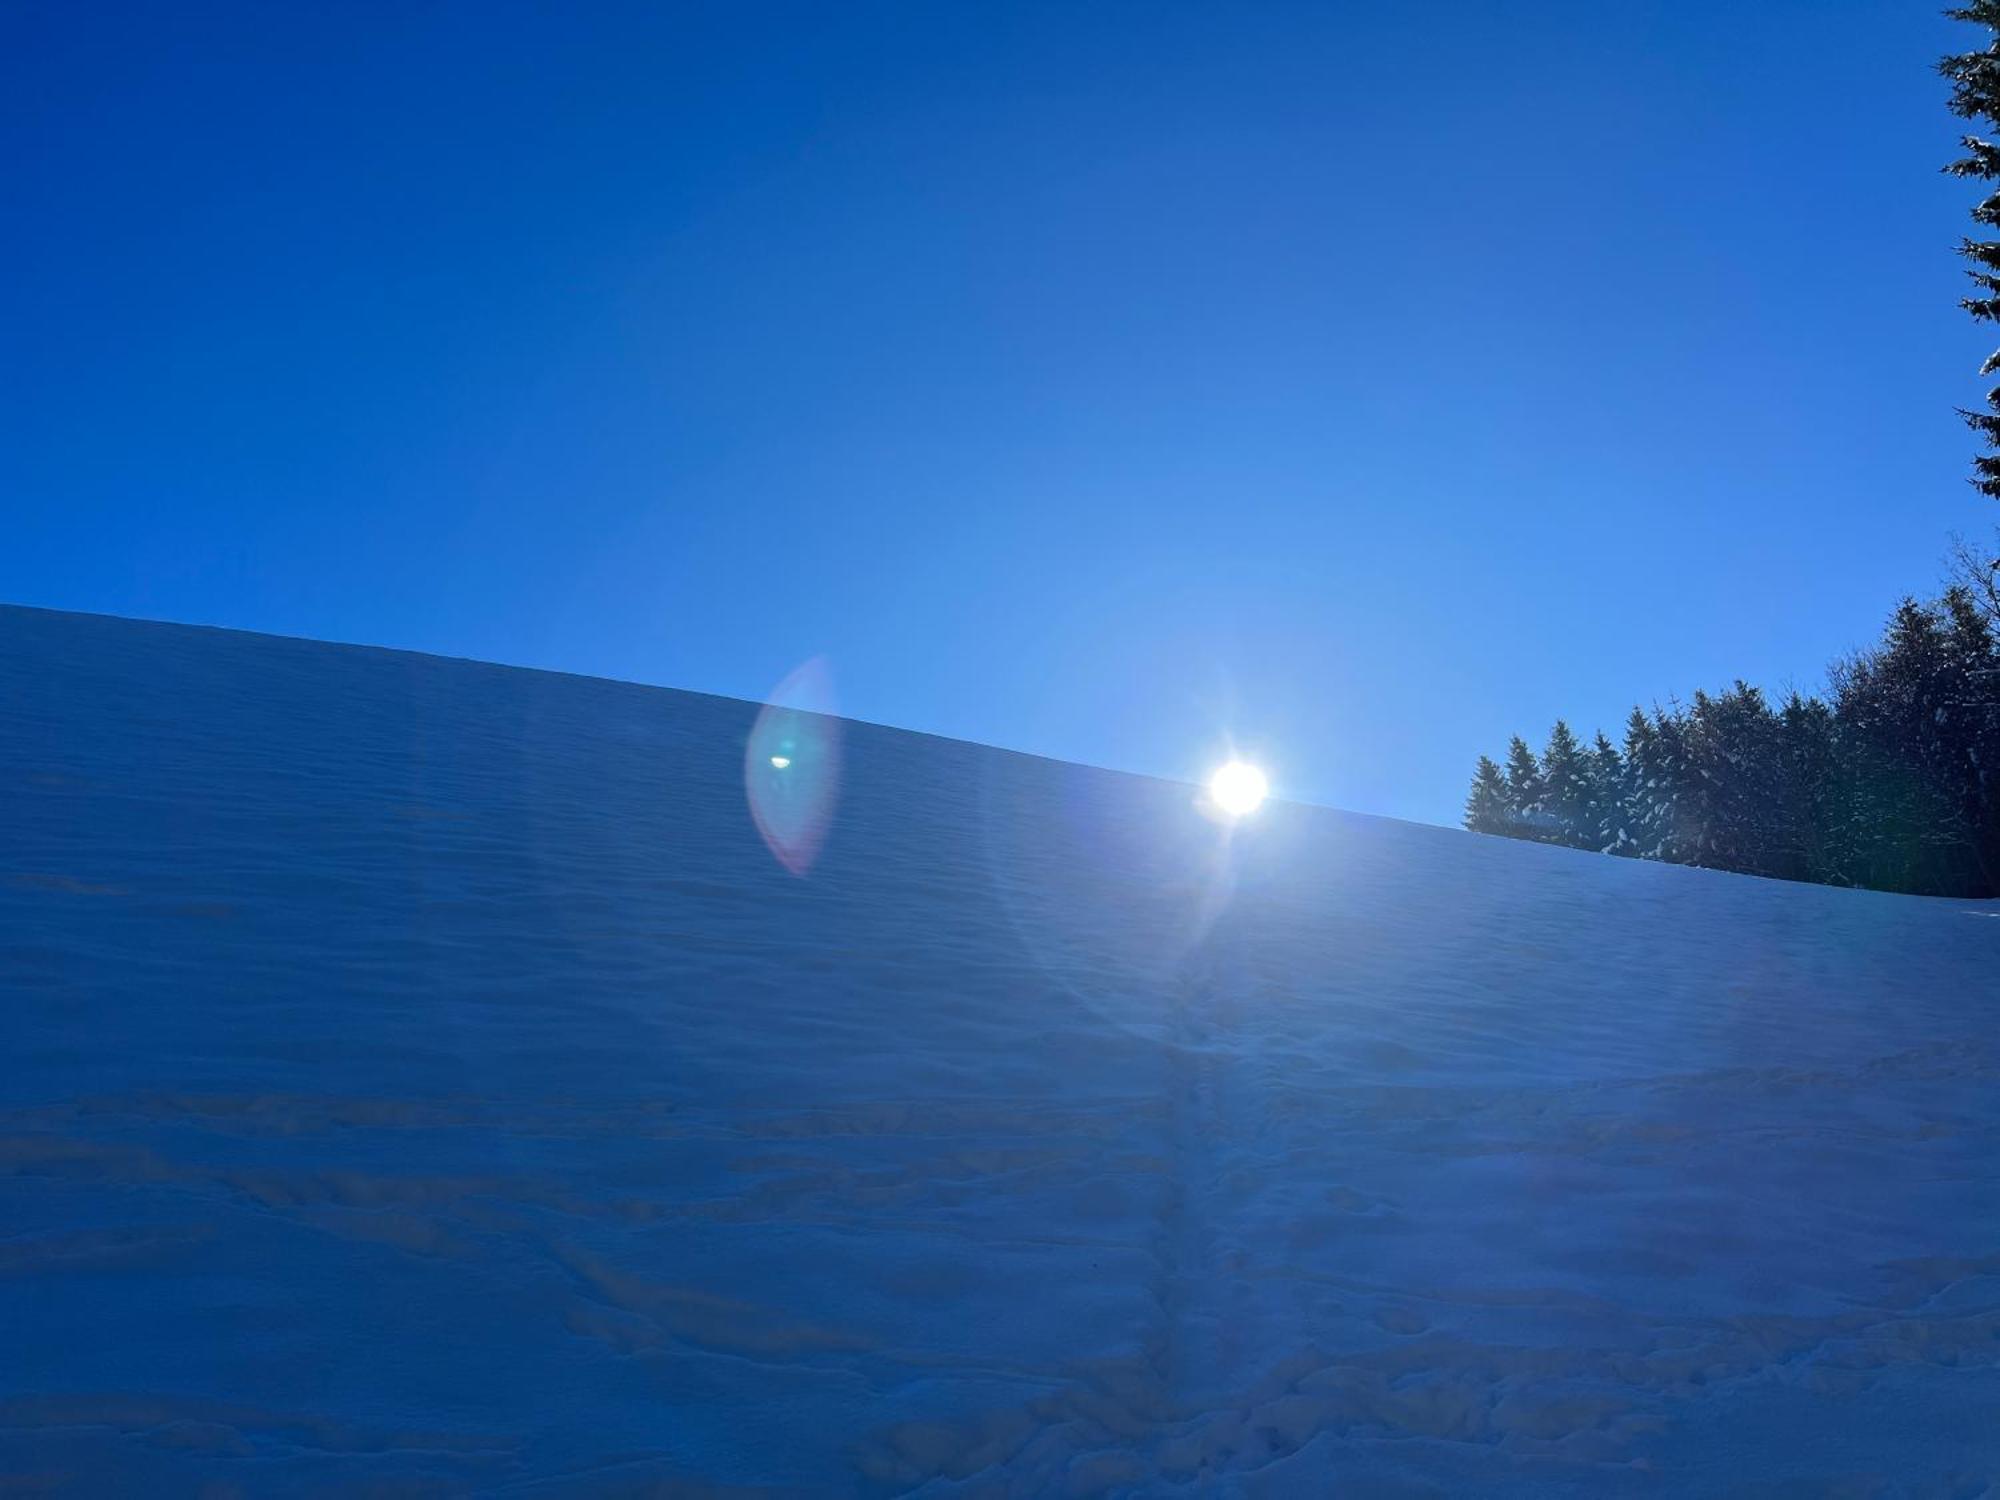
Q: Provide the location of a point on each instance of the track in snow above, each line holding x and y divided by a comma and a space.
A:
420, 1074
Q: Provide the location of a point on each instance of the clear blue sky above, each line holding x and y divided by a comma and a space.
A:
1367, 381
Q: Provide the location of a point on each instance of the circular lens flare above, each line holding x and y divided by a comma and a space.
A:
1238, 788
791, 767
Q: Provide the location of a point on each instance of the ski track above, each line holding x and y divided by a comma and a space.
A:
422, 1080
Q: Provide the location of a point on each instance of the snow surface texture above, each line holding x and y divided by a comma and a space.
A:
420, 1075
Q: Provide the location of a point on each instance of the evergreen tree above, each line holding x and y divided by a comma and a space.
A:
1975, 96
1880, 699
1487, 807
1891, 782
1920, 711
1655, 766
1812, 813
1642, 786
1733, 781
1672, 833
1972, 717
1606, 775
1524, 789
1566, 789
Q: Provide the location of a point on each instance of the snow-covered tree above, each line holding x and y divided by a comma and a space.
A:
1566, 788
1891, 782
1642, 786
1919, 714
1524, 789
1733, 785
1658, 773
1608, 817
1975, 96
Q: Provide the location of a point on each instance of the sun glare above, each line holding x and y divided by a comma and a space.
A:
1238, 788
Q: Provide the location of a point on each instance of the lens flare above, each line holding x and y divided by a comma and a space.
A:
1238, 788
791, 767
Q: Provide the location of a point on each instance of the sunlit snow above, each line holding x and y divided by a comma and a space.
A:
426, 1077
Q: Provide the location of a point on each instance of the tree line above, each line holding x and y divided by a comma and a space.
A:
1890, 780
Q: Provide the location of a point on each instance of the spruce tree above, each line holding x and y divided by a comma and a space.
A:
1641, 784
1668, 834
1733, 756
1811, 815
1566, 789
1524, 790
1892, 783
1701, 818
1973, 714
1921, 709
1887, 701
1606, 777
1486, 806
1975, 95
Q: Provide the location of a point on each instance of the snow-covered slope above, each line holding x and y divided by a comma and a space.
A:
422, 1071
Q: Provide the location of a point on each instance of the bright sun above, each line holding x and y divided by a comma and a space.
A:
1237, 788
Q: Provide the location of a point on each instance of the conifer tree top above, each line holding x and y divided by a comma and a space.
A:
1975, 95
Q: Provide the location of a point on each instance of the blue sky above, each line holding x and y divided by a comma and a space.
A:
1363, 383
